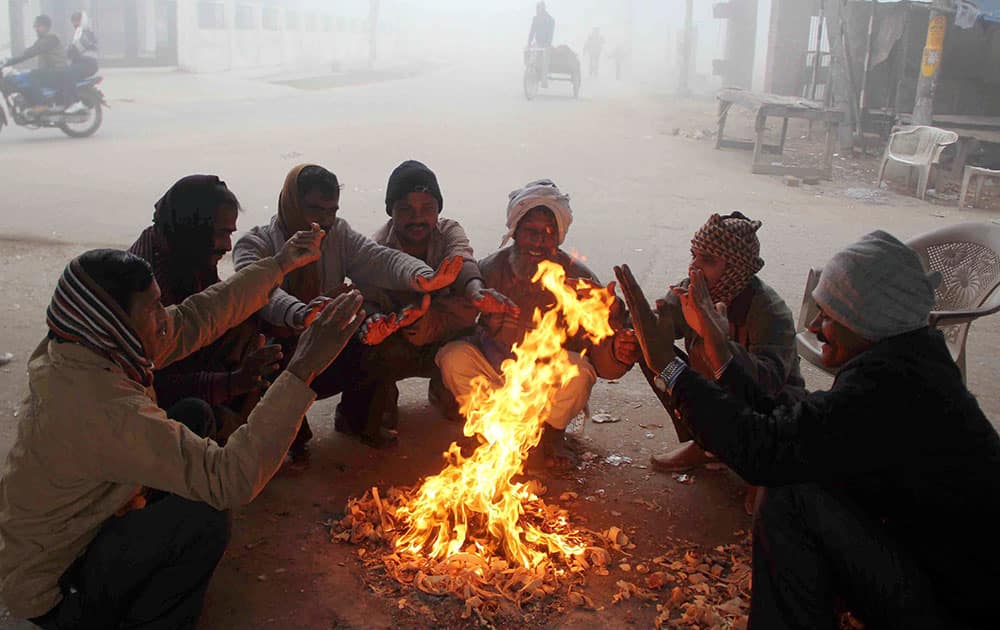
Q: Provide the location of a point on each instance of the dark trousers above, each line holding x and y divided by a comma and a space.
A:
812, 545
345, 373
382, 366
150, 567
79, 69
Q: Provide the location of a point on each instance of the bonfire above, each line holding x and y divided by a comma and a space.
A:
475, 529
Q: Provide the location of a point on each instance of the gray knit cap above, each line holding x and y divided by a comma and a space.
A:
877, 287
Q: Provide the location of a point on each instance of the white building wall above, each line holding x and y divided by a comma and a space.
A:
299, 48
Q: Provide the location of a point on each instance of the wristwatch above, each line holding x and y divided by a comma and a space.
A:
664, 381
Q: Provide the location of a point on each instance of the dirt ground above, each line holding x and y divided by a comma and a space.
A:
660, 180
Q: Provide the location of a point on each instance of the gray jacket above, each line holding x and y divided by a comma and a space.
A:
345, 254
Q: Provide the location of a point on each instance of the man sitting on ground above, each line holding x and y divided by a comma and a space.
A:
881, 491
413, 201
758, 330
193, 224
311, 194
79, 548
538, 217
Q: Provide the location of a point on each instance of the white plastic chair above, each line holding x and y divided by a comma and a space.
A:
917, 147
967, 255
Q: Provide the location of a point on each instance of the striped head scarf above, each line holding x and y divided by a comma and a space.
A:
732, 238
82, 312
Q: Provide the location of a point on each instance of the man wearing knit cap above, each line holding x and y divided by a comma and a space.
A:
882, 491
750, 324
402, 346
311, 194
538, 217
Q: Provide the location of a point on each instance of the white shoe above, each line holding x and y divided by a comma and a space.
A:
75, 108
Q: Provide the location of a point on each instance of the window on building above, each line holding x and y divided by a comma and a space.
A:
211, 15
312, 22
246, 17
327, 23
292, 20
341, 24
269, 19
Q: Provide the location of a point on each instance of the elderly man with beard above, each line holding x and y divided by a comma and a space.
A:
538, 217
413, 201
881, 491
311, 194
193, 224
759, 331
82, 544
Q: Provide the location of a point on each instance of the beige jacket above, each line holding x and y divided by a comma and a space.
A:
90, 438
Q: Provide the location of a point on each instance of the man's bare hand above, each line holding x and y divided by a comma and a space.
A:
446, 273
259, 363
306, 316
492, 301
707, 320
301, 249
379, 327
655, 336
625, 347
320, 344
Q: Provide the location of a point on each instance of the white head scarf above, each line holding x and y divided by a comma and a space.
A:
84, 26
541, 192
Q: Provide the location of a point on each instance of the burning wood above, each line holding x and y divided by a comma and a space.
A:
473, 529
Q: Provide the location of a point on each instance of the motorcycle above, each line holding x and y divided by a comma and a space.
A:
78, 124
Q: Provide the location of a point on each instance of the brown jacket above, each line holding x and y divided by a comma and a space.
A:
505, 330
451, 314
90, 439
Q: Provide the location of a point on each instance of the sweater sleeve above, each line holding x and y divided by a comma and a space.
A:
827, 436
204, 317
457, 244
281, 306
368, 263
141, 446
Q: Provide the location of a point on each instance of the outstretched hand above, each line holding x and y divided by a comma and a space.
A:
326, 337
315, 306
492, 301
446, 273
379, 326
301, 249
655, 335
708, 320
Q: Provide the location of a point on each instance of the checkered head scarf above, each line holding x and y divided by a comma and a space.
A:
733, 238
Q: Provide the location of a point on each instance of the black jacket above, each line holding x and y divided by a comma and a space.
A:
898, 431
49, 51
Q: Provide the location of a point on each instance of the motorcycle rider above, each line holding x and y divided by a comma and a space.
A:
51, 71
82, 54
543, 27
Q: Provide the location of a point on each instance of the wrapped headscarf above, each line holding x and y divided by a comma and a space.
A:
541, 192
304, 283
176, 246
877, 287
82, 312
733, 238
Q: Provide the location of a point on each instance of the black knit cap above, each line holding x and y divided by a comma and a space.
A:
411, 176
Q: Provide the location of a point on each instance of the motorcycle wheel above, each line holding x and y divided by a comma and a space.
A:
531, 83
92, 124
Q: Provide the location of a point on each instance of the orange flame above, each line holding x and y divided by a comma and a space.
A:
474, 505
